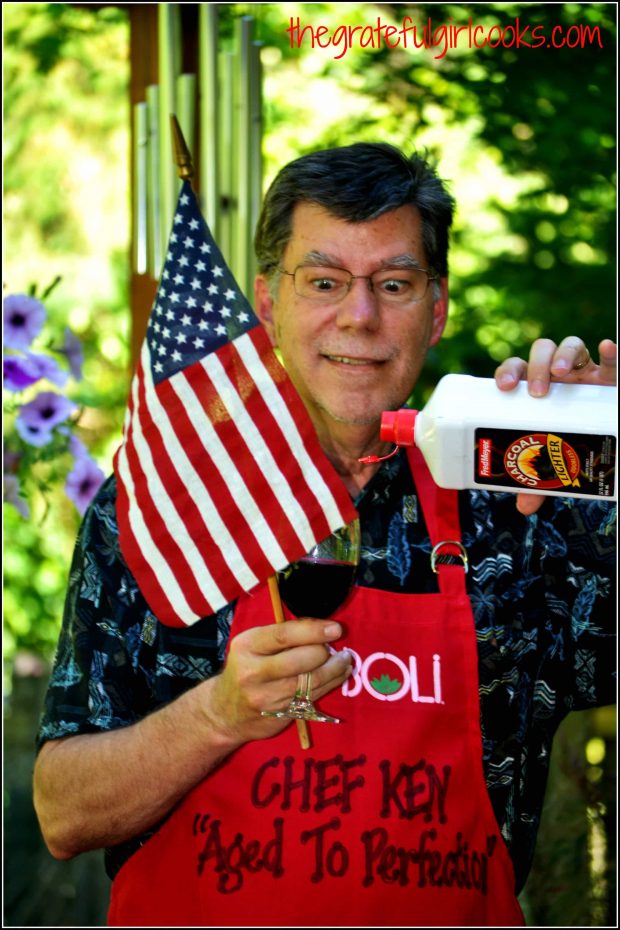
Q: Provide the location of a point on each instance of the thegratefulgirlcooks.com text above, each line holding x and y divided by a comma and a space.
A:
414, 36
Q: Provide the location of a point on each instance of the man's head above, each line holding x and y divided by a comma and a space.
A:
356, 183
352, 249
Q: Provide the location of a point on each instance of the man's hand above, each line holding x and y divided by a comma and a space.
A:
571, 362
261, 673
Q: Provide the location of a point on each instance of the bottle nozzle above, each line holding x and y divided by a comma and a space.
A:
397, 426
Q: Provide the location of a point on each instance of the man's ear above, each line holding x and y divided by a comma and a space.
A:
263, 305
440, 312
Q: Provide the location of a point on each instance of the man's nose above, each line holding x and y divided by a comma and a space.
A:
360, 308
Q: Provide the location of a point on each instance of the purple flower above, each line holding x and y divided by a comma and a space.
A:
33, 435
36, 420
74, 353
23, 319
22, 371
77, 448
18, 373
83, 482
12, 496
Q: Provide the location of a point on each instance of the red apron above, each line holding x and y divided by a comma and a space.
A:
386, 821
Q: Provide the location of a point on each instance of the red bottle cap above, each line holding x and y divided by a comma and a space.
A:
398, 426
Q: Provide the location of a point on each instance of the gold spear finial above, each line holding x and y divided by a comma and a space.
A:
182, 157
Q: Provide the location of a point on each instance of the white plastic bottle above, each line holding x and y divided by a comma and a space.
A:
472, 435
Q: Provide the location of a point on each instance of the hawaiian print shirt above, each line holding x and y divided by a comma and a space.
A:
541, 589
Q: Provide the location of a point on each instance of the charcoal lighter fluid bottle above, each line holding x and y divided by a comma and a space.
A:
472, 435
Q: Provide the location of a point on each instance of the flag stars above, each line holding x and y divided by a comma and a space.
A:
161, 350
188, 242
199, 343
174, 297
230, 294
243, 317
205, 248
186, 320
200, 265
165, 333
178, 278
170, 314
183, 261
181, 338
217, 271
220, 329
203, 325
176, 356
225, 312
194, 224
194, 284
207, 306
191, 302
213, 289
158, 367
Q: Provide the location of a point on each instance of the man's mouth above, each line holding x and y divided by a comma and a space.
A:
352, 360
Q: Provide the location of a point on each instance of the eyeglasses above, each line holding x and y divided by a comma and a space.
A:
391, 286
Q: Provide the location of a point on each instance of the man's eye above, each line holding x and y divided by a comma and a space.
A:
395, 285
323, 284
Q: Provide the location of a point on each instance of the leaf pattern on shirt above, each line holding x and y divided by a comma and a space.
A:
399, 555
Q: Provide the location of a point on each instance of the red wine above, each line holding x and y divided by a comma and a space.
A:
315, 588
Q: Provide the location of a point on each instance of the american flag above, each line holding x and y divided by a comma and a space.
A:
221, 479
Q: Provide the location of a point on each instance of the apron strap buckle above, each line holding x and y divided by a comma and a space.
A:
448, 558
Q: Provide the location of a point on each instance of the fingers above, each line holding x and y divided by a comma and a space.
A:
570, 361
527, 504
332, 673
269, 659
608, 358
510, 372
275, 637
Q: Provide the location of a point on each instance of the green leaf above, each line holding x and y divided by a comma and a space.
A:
386, 685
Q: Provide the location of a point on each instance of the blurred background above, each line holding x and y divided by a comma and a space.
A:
527, 139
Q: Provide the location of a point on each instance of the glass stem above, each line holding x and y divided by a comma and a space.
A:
304, 687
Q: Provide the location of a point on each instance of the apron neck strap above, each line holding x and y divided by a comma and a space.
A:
441, 513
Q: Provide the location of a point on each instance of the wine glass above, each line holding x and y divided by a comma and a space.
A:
316, 586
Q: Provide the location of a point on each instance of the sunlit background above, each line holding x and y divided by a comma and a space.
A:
526, 139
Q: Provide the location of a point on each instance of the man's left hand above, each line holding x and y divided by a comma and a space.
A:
571, 362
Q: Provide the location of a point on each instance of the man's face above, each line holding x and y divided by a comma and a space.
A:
352, 359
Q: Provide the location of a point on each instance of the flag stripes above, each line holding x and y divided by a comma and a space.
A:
188, 500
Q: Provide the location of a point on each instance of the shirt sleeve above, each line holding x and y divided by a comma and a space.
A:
98, 680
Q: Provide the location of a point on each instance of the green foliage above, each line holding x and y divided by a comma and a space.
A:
524, 135
67, 215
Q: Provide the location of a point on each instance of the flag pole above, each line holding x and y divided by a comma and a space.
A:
185, 170
276, 604
182, 157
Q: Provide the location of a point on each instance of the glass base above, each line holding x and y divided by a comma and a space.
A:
301, 709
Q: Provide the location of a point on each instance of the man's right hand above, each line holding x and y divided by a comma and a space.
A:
261, 673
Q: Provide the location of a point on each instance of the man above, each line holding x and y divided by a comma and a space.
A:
421, 808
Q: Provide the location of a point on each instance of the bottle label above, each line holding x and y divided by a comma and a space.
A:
546, 462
